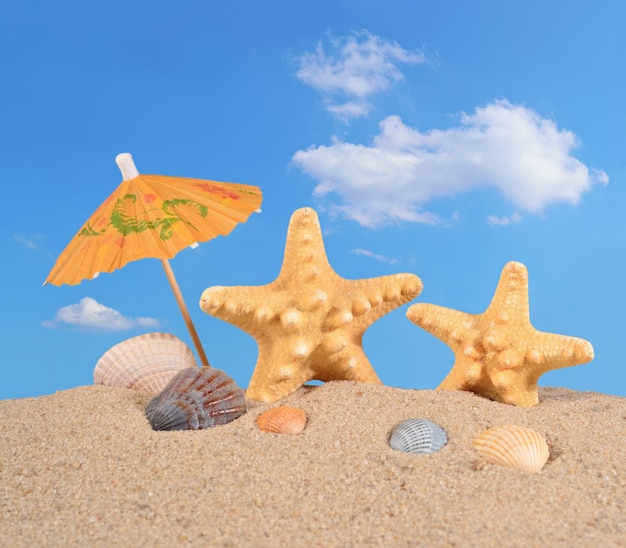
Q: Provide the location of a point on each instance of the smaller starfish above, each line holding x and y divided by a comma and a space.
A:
309, 322
499, 354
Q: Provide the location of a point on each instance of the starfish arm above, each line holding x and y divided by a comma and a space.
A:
548, 351
512, 386
466, 374
514, 381
460, 331
249, 308
510, 300
455, 328
372, 298
277, 374
349, 364
305, 257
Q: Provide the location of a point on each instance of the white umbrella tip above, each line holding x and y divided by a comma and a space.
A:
125, 162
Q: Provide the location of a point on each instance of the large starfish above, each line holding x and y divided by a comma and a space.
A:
499, 354
309, 322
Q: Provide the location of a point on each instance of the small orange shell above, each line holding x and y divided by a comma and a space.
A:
282, 420
517, 447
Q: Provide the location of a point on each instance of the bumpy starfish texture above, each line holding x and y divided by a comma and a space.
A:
499, 354
309, 322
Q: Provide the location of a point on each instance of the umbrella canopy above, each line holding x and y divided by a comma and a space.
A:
153, 216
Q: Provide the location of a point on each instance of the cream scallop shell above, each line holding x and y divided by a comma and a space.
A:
513, 446
146, 362
282, 420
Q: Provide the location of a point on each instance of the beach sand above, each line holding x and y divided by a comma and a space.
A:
82, 467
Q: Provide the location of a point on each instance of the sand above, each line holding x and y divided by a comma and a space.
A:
83, 467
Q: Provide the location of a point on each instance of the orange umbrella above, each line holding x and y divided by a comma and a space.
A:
153, 216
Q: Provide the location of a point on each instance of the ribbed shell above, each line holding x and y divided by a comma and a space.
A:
418, 436
196, 398
146, 362
513, 446
282, 420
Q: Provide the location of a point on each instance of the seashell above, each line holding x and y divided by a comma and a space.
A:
418, 436
146, 362
196, 398
282, 420
513, 446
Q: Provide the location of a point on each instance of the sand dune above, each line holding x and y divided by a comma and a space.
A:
83, 467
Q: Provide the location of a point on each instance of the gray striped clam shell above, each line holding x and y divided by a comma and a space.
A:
196, 398
418, 436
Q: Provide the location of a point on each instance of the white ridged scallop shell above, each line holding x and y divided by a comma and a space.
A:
513, 446
418, 436
196, 398
146, 362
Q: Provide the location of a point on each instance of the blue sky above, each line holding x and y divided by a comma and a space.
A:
441, 139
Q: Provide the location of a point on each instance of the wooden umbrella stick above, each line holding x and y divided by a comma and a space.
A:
183, 308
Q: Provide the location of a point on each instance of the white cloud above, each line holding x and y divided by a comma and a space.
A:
368, 253
359, 66
508, 147
504, 221
31, 242
90, 314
